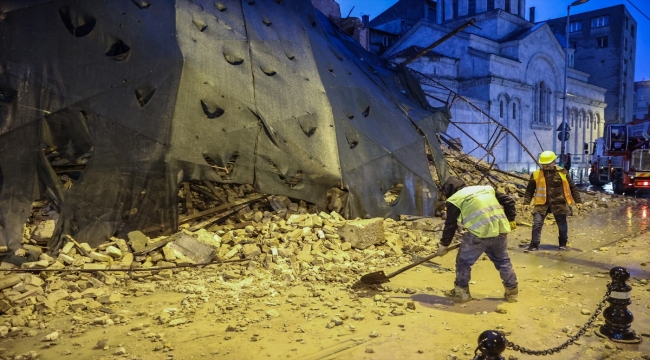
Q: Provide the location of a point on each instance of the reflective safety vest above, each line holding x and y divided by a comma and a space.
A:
480, 211
540, 186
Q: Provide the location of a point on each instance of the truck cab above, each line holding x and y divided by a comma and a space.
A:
622, 157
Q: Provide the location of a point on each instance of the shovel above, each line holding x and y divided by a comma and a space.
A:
378, 277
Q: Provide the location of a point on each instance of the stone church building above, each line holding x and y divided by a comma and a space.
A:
510, 67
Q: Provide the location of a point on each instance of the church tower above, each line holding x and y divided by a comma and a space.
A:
449, 10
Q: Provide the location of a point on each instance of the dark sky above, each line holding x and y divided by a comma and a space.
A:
547, 9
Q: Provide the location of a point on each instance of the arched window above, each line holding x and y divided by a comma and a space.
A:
501, 109
514, 111
455, 8
549, 95
507, 5
542, 103
490, 5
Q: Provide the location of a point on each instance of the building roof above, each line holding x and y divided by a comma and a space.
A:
414, 50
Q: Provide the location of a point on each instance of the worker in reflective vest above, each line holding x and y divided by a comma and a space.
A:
488, 216
552, 191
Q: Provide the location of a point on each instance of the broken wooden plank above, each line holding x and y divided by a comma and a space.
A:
215, 192
188, 199
154, 246
231, 226
82, 251
200, 190
215, 218
184, 219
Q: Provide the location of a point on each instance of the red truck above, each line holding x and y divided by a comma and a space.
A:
622, 157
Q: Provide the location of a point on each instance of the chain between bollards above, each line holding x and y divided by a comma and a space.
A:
618, 319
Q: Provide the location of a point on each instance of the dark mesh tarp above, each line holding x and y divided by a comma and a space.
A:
153, 89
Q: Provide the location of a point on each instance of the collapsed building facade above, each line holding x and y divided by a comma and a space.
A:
136, 97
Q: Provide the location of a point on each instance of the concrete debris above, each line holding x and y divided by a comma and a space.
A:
137, 240
279, 241
44, 230
52, 336
362, 234
191, 248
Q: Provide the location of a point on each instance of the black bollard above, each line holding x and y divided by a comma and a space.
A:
491, 344
618, 319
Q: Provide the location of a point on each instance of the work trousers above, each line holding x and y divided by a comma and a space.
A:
472, 247
538, 223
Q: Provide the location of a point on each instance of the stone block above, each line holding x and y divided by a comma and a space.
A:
33, 280
47, 258
109, 299
67, 247
4, 306
137, 240
127, 260
92, 293
114, 252
41, 264
9, 281
65, 258
121, 244
44, 230
100, 257
251, 250
86, 247
94, 266
192, 248
169, 254
57, 295
362, 234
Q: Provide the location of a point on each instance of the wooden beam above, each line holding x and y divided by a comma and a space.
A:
184, 219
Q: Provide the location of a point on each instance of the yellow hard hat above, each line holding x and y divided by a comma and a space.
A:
547, 157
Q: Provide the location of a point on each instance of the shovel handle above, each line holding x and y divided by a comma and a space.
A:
399, 271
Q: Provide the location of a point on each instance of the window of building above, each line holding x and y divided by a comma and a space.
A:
384, 40
514, 111
602, 42
575, 26
626, 22
490, 5
600, 21
501, 109
471, 7
632, 30
625, 67
542, 101
625, 43
574, 45
455, 8
507, 5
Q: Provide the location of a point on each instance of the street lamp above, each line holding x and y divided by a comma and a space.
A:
566, 69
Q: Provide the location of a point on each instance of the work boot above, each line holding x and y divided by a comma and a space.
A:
459, 294
562, 248
511, 294
531, 248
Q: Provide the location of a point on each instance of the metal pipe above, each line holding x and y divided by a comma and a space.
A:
439, 41
566, 69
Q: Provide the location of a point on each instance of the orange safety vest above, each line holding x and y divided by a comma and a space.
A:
540, 186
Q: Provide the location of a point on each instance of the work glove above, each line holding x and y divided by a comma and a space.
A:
579, 206
513, 225
442, 250
526, 208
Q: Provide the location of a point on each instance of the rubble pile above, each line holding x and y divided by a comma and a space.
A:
279, 240
256, 245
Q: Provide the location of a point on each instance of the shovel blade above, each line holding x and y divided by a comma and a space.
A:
377, 277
